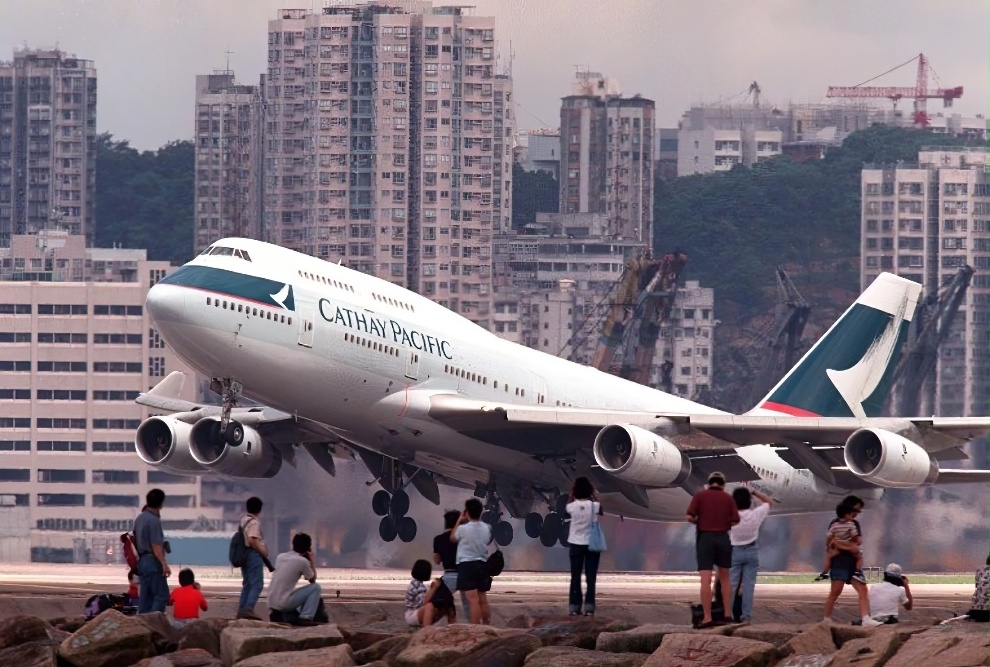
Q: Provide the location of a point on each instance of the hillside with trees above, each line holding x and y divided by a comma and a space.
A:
144, 199
737, 226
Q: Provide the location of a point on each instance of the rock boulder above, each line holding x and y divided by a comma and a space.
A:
240, 642
647, 638
872, 651
21, 629
109, 640
505, 652
380, 650
944, 649
192, 657
777, 634
203, 633
334, 656
815, 640
30, 654
700, 650
566, 656
438, 646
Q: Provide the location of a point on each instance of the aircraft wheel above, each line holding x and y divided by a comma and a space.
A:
503, 533
380, 502
551, 529
534, 523
399, 504
565, 531
386, 530
406, 529
560, 505
234, 435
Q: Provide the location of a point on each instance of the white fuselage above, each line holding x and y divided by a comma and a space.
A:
363, 356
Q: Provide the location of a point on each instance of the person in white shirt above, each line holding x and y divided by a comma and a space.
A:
283, 595
745, 550
583, 509
887, 597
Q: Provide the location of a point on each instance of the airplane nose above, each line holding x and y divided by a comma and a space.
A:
165, 302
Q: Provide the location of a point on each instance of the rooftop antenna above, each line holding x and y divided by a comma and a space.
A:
228, 52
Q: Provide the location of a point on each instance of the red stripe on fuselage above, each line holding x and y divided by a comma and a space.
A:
788, 410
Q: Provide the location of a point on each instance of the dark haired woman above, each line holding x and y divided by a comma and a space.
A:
745, 550
584, 508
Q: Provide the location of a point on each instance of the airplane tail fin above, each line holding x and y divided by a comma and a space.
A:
848, 372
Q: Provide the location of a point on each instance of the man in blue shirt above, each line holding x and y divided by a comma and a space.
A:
472, 537
152, 566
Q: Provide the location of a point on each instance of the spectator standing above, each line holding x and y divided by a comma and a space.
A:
472, 538
152, 566
713, 512
289, 568
980, 611
889, 595
843, 571
582, 507
187, 600
745, 551
445, 554
252, 572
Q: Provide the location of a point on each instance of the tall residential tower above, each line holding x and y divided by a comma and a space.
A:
47, 143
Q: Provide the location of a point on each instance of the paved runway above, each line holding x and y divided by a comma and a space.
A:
376, 596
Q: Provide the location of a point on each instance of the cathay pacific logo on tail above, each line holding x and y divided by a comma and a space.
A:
244, 286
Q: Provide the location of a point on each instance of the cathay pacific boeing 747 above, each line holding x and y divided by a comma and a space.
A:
346, 365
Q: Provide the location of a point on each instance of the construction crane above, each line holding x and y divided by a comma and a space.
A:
913, 376
921, 93
784, 339
644, 297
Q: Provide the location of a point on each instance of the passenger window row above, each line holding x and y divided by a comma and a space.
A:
326, 281
249, 310
393, 302
372, 344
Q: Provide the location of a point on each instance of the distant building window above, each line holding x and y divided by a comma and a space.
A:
62, 499
58, 476
114, 447
104, 500
115, 477
15, 474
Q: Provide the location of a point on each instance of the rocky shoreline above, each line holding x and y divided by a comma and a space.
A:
150, 640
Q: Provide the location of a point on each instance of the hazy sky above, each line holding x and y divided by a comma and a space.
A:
678, 52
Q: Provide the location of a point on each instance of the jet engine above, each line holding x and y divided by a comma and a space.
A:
252, 458
164, 442
888, 459
635, 455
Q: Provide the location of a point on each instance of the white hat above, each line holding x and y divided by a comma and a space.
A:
893, 570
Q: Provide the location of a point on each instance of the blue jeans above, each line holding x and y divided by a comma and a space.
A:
253, 580
583, 559
153, 595
745, 563
305, 600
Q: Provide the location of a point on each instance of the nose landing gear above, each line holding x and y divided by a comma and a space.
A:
227, 430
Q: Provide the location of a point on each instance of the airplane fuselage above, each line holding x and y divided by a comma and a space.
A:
363, 356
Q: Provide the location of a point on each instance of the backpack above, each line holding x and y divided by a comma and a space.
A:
237, 553
442, 598
99, 603
130, 549
496, 563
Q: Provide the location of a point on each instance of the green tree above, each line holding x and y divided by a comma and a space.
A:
145, 199
532, 192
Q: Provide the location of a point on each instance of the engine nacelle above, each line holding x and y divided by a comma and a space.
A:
888, 459
164, 442
252, 458
635, 455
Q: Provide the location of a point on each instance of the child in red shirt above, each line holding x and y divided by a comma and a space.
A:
187, 600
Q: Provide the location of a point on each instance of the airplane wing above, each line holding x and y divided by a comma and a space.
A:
709, 440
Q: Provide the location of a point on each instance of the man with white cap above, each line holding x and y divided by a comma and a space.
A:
887, 597
713, 512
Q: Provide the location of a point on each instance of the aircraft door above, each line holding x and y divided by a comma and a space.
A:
306, 326
412, 365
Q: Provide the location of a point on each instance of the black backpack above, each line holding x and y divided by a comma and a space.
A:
496, 563
238, 550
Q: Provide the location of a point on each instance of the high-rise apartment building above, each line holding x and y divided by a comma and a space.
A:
606, 157
387, 144
228, 159
924, 222
47, 143
76, 348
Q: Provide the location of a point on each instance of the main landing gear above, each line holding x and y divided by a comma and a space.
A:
392, 507
554, 527
502, 532
228, 431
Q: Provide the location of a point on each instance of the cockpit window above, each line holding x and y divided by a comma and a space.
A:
229, 252
207, 251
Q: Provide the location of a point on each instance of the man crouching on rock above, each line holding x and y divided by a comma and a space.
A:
289, 567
